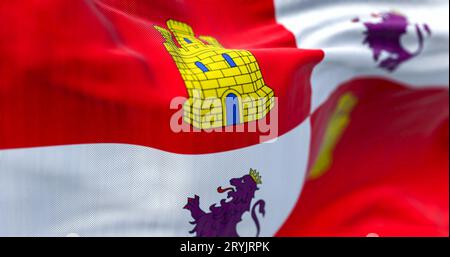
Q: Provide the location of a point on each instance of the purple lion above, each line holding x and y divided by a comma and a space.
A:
386, 36
222, 220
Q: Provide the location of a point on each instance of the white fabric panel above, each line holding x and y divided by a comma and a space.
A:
328, 25
129, 190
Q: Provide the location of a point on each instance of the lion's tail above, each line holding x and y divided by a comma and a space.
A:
261, 210
420, 38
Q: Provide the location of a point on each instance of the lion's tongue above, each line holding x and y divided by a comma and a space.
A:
221, 190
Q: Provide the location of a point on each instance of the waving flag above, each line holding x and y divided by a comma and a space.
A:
224, 118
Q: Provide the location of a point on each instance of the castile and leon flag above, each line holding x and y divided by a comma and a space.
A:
211, 118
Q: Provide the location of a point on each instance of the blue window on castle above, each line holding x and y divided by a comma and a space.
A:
187, 40
201, 66
232, 109
229, 60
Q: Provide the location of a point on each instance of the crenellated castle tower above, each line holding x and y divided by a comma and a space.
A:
225, 86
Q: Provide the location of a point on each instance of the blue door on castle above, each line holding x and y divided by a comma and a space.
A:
232, 109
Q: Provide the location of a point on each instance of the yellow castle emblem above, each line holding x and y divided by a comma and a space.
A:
225, 86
